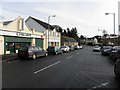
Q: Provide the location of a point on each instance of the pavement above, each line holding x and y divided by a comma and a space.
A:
9, 57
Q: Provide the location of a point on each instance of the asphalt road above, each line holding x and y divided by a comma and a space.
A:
77, 69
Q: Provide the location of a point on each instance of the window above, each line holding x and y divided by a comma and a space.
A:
119, 27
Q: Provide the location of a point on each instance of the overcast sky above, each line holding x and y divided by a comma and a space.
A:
86, 15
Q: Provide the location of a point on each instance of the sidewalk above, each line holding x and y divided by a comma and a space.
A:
9, 57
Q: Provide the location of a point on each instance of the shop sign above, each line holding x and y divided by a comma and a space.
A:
22, 34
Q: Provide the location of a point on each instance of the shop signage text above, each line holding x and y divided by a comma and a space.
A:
22, 34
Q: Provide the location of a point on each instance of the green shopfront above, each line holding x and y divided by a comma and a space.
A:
12, 43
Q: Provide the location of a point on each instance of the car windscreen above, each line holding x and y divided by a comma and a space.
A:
96, 46
107, 47
51, 47
24, 48
31, 48
63, 47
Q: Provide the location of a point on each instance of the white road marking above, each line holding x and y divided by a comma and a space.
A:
98, 86
93, 79
96, 73
69, 57
47, 67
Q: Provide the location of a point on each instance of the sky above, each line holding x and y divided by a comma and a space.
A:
86, 15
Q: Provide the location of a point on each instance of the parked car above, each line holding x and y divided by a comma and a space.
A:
54, 50
115, 53
81, 47
65, 48
96, 49
71, 48
31, 52
77, 47
105, 50
117, 69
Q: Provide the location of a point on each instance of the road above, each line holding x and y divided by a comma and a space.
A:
77, 69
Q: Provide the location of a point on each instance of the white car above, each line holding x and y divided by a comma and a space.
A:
65, 48
96, 49
81, 47
117, 69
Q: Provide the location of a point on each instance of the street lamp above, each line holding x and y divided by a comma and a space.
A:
49, 26
113, 23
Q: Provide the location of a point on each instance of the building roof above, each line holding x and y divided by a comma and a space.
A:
45, 25
6, 22
68, 39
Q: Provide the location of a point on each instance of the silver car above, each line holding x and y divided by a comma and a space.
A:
65, 48
117, 69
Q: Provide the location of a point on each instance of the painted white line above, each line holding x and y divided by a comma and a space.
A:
47, 67
104, 84
93, 79
99, 86
97, 73
69, 57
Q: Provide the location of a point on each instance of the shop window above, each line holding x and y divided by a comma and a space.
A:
119, 27
7, 46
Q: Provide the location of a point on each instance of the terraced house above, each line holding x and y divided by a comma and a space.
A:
52, 36
15, 34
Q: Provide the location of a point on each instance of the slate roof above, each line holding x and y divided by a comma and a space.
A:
45, 25
6, 22
68, 39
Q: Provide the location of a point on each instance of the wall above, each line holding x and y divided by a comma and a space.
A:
1, 45
34, 25
119, 18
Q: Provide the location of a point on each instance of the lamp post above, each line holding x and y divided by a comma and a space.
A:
49, 26
113, 23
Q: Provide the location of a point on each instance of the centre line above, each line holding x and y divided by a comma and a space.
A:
69, 57
47, 67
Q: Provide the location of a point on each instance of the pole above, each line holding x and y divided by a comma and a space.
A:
48, 29
114, 26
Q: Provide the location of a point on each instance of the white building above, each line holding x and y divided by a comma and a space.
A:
119, 18
54, 37
15, 34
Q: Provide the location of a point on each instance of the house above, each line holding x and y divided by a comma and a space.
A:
15, 34
52, 36
89, 41
119, 18
68, 41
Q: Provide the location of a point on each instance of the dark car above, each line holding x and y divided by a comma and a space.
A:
71, 48
31, 52
117, 69
115, 53
54, 50
105, 50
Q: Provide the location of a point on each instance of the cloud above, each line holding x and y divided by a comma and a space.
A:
58, 0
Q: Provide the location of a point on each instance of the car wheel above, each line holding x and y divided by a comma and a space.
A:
34, 57
46, 54
56, 53
116, 73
